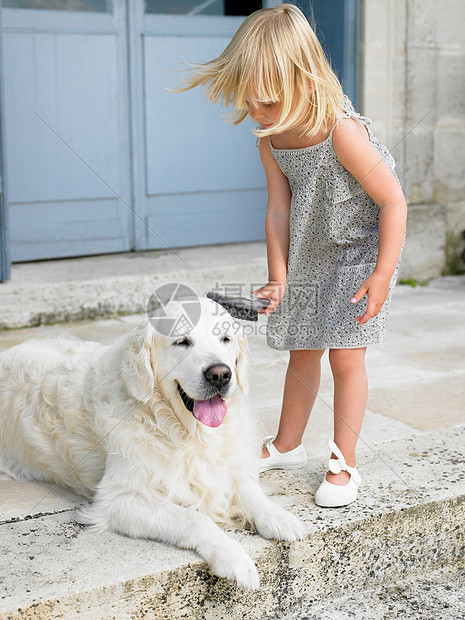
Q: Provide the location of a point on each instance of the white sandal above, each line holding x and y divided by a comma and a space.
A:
294, 459
331, 495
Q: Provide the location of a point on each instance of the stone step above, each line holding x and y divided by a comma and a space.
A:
409, 518
435, 595
92, 287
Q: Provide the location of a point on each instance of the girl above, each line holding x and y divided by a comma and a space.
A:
335, 226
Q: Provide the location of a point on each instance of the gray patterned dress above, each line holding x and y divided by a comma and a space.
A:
334, 232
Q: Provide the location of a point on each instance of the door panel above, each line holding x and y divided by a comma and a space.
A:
202, 177
66, 126
190, 147
205, 218
81, 112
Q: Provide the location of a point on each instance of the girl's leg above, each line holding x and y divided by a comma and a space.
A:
350, 399
300, 390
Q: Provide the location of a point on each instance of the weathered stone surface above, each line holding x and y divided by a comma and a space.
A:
22, 499
57, 291
412, 65
410, 517
423, 255
419, 183
448, 143
449, 17
429, 596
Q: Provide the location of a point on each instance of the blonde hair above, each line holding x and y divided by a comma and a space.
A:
275, 56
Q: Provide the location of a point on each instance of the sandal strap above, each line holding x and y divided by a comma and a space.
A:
335, 466
270, 447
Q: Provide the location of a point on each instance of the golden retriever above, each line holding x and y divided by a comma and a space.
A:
154, 430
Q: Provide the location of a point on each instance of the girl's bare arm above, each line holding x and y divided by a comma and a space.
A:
356, 153
276, 228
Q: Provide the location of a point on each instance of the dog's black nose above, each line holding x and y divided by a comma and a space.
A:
218, 375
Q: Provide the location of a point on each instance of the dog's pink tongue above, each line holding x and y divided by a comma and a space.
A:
210, 412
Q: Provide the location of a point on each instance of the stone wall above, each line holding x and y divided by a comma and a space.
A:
413, 87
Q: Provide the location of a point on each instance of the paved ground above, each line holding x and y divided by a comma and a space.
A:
409, 519
416, 378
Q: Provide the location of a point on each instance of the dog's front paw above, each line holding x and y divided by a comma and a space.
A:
232, 562
275, 522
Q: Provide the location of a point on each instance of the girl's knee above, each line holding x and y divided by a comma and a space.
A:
305, 356
346, 360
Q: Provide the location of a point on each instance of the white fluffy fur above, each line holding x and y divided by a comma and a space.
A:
108, 423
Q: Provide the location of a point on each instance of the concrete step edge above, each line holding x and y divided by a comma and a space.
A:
59, 302
389, 533
421, 596
329, 563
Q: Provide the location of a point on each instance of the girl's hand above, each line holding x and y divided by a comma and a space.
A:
274, 291
376, 287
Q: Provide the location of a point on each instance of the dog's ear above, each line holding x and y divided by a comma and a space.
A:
136, 363
241, 364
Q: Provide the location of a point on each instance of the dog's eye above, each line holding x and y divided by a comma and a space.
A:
184, 342
226, 339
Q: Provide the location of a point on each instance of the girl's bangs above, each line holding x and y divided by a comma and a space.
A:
267, 62
269, 88
263, 84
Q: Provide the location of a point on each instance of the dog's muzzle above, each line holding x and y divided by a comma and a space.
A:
218, 375
187, 400
210, 412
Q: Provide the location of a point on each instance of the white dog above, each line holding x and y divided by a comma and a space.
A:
153, 429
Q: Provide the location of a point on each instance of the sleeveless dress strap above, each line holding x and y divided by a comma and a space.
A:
339, 118
257, 141
349, 112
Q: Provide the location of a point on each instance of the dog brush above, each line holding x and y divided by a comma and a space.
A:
240, 307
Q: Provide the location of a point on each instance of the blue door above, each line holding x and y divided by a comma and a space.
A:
67, 129
336, 24
101, 157
199, 178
